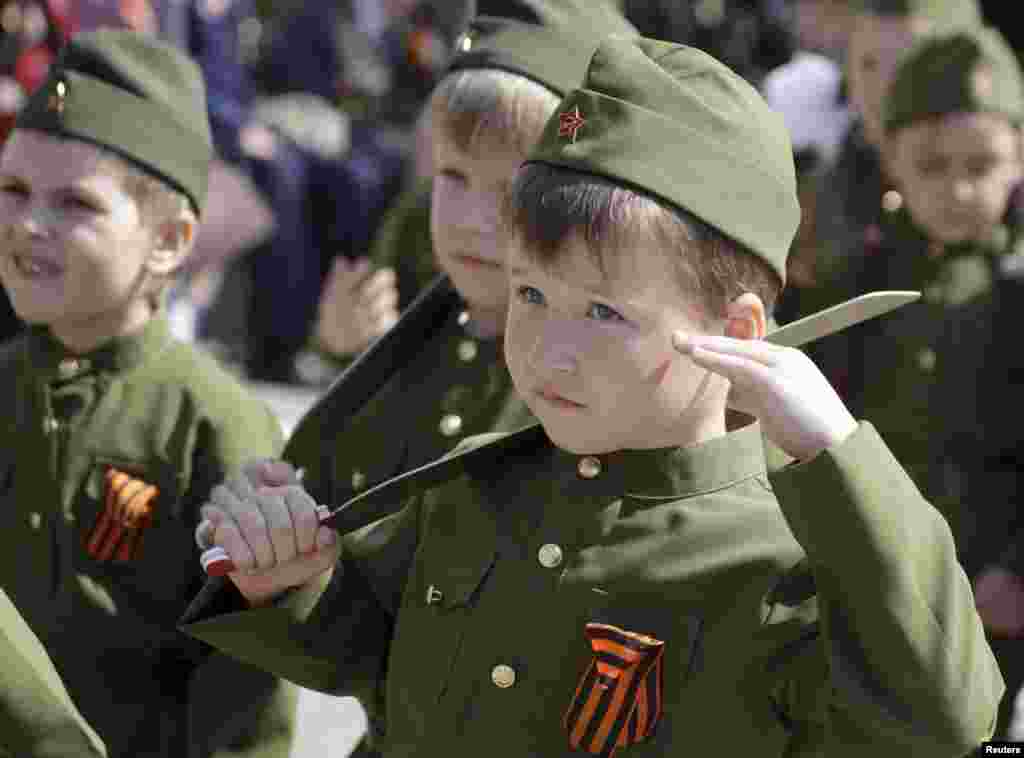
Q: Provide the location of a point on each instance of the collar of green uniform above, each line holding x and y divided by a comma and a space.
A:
677, 472
1000, 240
47, 354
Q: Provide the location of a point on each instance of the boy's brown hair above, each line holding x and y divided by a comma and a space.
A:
548, 205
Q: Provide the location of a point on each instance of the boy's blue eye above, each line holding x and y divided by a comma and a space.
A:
602, 312
529, 294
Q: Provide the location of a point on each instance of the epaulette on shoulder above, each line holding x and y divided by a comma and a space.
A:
479, 450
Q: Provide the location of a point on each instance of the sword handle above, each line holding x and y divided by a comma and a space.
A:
216, 561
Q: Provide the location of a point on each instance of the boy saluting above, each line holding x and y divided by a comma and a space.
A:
113, 433
625, 577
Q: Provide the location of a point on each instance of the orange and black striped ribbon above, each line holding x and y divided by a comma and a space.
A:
127, 512
618, 700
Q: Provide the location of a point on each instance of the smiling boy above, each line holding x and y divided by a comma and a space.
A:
113, 433
626, 577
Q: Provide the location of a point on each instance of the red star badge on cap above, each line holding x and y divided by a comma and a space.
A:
570, 122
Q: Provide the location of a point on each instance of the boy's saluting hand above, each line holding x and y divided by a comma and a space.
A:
268, 525
797, 407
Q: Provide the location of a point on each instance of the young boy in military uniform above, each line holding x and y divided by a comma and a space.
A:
854, 195
37, 718
930, 377
626, 576
510, 69
114, 433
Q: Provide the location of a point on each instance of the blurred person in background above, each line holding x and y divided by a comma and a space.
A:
854, 196
937, 379
810, 91
31, 33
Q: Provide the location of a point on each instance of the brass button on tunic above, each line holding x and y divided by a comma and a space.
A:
450, 425
589, 467
550, 555
503, 676
467, 351
68, 367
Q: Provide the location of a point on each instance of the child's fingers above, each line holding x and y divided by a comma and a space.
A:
386, 298
758, 350
738, 369
357, 275
246, 520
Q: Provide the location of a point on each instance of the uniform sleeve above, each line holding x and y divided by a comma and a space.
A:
37, 717
908, 665
233, 704
331, 635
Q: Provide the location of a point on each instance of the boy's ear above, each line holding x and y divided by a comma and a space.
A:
746, 318
173, 241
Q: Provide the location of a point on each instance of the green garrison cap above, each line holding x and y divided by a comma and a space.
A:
549, 41
952, 12
673, 121
967, 70
134, 95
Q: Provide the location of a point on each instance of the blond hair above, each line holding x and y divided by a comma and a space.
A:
483, 109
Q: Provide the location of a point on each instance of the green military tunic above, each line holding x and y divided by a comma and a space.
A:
453, 385
105, 459
37, 718
833, 620
917, 374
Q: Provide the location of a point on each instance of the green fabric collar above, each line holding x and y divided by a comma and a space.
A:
674, 472
1000, 241
52, 362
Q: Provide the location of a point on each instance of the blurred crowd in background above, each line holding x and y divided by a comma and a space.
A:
315, 107
316, 112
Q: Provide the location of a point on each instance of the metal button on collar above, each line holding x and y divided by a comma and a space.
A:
503, 676
35, 520
550, 555
450, 425
892, 201
467, 350
68, 367
463, 318
926, 359
589, 467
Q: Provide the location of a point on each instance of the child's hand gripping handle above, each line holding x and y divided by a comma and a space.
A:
215, 559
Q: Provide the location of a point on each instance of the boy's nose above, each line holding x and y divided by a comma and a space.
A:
556, 351
963, 189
